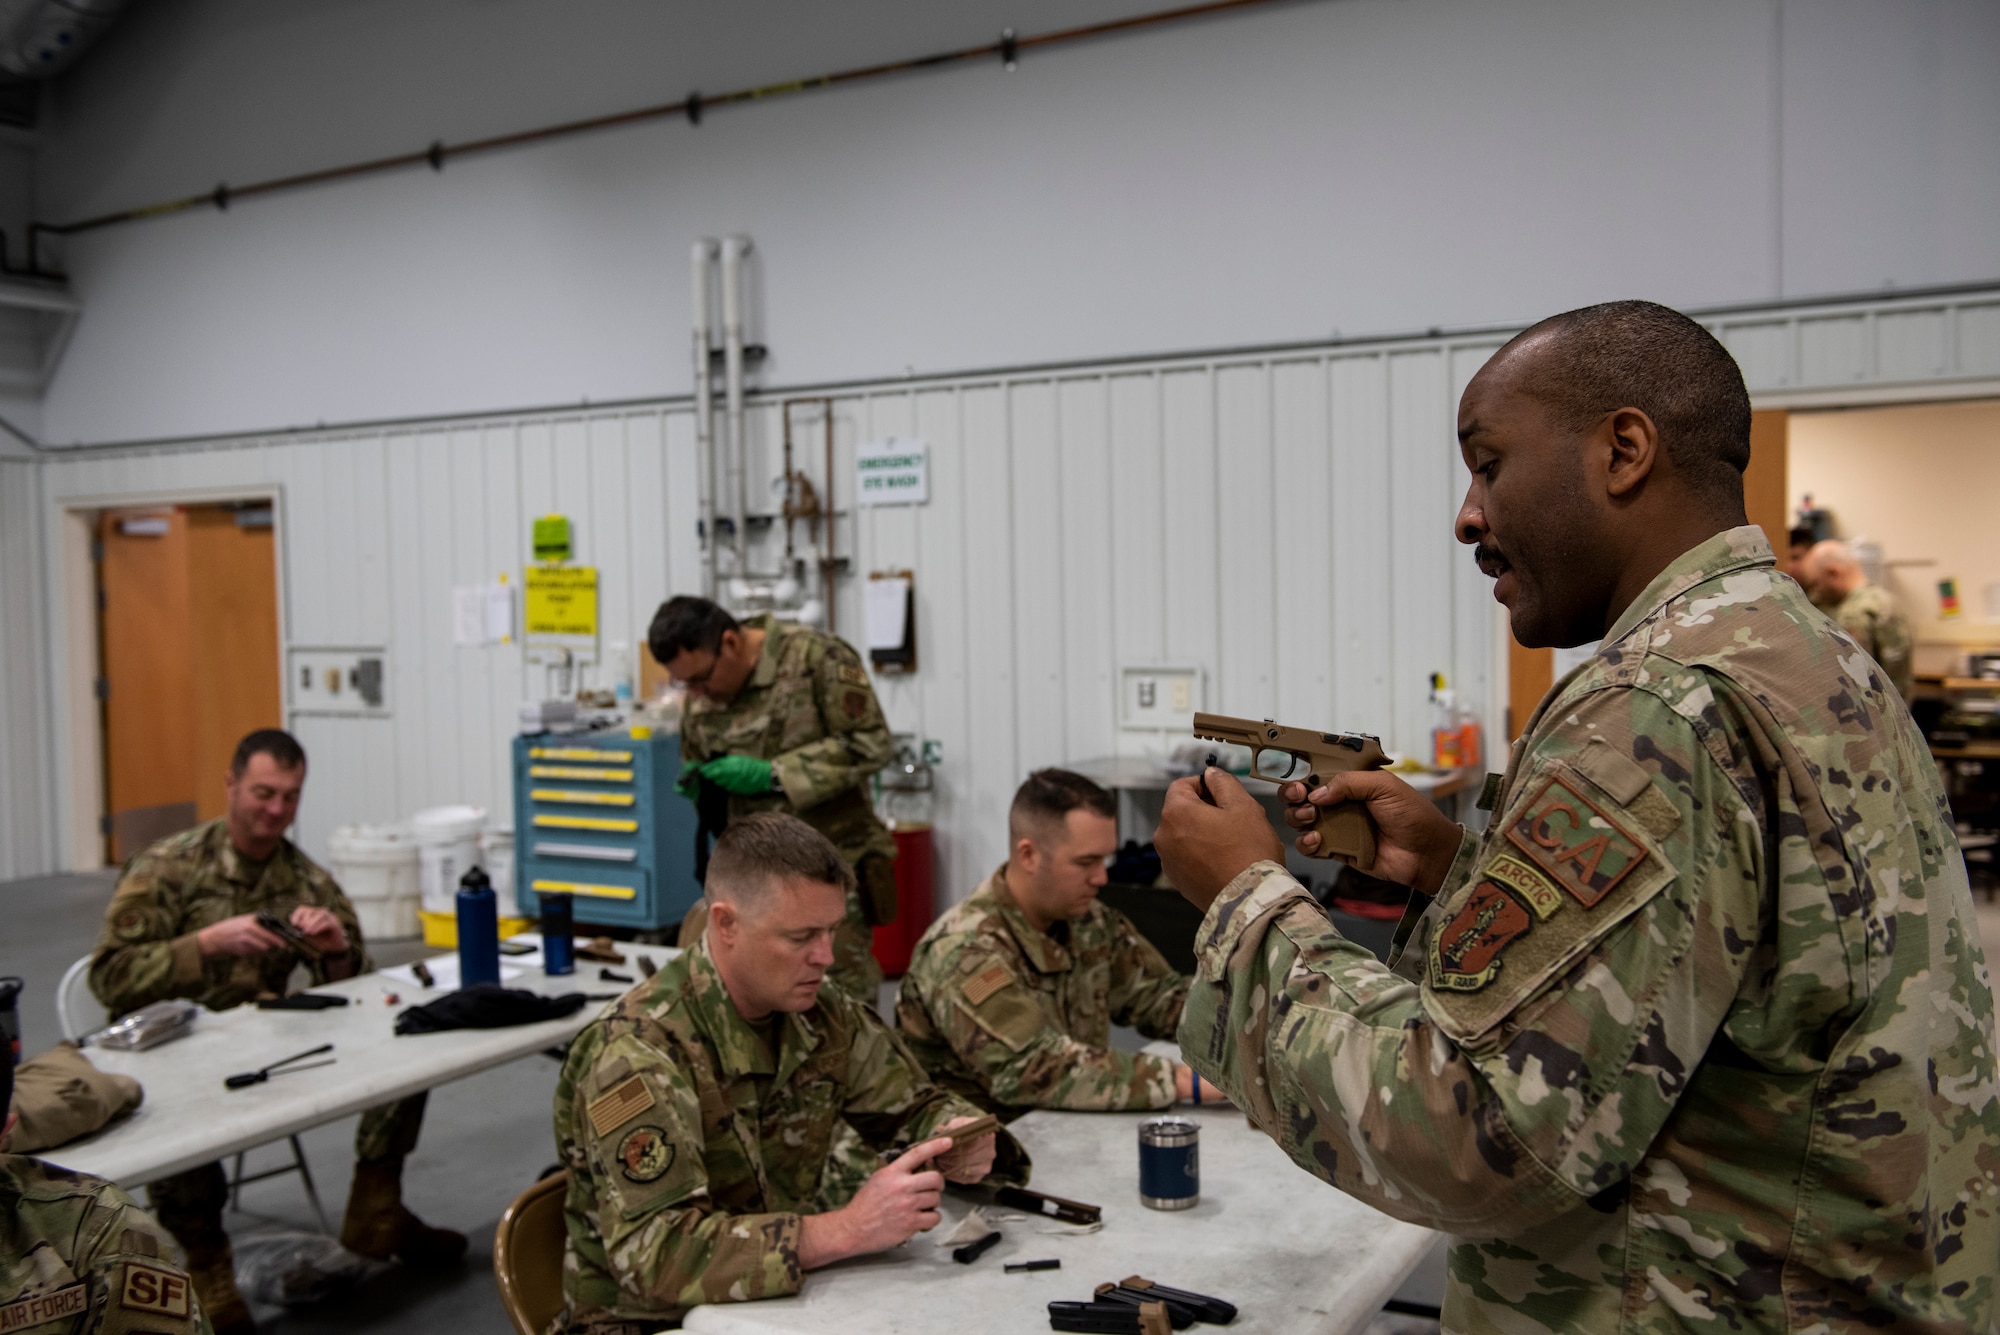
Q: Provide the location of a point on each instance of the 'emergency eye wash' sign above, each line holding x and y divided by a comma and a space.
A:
892, 472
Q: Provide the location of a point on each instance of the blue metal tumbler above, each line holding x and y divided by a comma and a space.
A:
558, 934
478, 930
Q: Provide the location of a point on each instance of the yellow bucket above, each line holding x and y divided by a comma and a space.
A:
441, 929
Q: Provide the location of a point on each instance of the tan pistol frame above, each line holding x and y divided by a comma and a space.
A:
1346, 828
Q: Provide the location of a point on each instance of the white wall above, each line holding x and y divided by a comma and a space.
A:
1348, 165
1078, 521
27, 814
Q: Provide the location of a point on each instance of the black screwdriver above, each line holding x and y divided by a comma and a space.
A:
244, 1079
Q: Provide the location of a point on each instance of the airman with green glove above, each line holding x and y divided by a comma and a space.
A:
781, 717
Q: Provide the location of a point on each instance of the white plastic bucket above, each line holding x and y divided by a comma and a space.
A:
447, 848
376, 866
496, 854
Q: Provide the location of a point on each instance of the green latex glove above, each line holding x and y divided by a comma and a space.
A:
746, 776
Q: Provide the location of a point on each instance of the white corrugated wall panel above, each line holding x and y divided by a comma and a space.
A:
1090, 495
27, 831
1301, 522
1282, 523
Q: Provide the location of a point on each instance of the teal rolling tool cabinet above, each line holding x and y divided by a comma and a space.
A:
596, 816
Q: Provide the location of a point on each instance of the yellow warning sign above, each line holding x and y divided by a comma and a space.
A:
561, 600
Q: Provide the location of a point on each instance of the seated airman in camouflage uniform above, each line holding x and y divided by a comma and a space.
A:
77, 1255
183, 923
1011, 996
1697, 1035
1835, 582
781, 717
698, 1116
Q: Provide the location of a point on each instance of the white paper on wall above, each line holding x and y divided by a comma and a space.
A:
886, 611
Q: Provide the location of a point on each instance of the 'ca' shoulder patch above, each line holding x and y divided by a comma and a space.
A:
1572, 838
1465, 952
645, 1154
149, 1289
619, 1105
986, 982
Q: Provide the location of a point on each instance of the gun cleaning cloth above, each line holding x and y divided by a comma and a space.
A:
486, 1006
970, 1229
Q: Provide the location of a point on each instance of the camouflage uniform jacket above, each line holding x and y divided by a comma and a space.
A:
1871, 616
693, 1149
809, 710
1698, 1035
1014, 1018
79, 1257
147, 951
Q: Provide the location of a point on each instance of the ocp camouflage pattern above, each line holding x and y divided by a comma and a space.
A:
79, 1257
147, 950
695, 1142
1871, 616
1697, 1036
1013, 1018
807, 708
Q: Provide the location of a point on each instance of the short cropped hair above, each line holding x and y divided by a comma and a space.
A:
1045, 799
1639, 354
760, 850
687, 625
1802, 537
276, 743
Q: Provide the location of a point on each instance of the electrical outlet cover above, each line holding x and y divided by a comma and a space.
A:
1160, 699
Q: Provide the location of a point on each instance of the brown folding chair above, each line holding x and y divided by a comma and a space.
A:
528, 1254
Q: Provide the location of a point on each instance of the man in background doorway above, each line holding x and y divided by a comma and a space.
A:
781, 717
1838, 586
183, 923
1801, 540
1011, 996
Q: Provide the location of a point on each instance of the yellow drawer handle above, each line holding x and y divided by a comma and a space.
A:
585, 799
587, 823
575, 772
589, 753
585, 888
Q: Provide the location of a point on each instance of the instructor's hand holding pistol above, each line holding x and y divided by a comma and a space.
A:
1415, 842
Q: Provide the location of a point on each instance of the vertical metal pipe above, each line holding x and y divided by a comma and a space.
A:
734, 248
826, 561
701, 261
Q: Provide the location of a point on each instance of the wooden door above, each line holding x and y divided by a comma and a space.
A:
147, 685
1766, 480
189, 629
233, 601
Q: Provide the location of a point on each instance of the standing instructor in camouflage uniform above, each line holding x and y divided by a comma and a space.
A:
183, 923
1698, 1034
1838, 586
781, 718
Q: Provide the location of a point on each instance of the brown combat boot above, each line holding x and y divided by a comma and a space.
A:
378, 1227
212, 1267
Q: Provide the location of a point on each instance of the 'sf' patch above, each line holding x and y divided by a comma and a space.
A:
149, 1289
1572, 839
1465, 952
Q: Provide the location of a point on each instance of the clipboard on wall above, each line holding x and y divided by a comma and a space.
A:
890, 616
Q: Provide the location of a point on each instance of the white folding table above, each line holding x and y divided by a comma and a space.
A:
189, 1118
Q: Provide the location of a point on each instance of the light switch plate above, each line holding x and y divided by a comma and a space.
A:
351, 682
1159, 698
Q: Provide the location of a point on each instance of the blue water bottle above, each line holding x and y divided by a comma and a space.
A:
478, 930
558, 934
